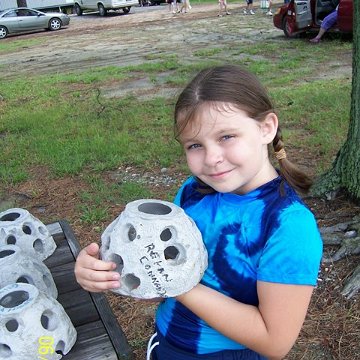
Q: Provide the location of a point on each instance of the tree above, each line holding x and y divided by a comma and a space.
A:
345, 171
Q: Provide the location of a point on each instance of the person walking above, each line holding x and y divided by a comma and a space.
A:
269, 12
223, 8
249, 8
185, 6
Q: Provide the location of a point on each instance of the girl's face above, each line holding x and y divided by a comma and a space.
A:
227, 150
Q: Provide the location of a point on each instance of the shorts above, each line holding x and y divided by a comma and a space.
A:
165, 351
249, 2
329, 21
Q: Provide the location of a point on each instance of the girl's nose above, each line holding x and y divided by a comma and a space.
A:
213, 156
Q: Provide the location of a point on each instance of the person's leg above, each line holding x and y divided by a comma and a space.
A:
182, 6
328, 22
318, 37
251, 7
226, 9
269, 12
247, 7
221, 6
174, 6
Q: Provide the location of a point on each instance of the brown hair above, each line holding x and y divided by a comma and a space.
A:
231, 84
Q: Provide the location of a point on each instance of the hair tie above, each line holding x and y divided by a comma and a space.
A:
281, 154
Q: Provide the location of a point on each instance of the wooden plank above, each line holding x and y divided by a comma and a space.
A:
83, 306
61, 255
64, 277
79, 306
113, 328
56, 231
92, 343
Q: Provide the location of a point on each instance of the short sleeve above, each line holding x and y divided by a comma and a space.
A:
177, 200
293, 252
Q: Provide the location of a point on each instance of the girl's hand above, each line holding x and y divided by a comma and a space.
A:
93, 274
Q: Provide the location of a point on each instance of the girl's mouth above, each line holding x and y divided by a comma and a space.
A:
219, 175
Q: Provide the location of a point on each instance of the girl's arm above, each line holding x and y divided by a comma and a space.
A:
270, 329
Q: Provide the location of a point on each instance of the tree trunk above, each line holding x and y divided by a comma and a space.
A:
345, 173
21, 3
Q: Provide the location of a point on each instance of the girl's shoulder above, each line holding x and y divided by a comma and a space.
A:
188, 193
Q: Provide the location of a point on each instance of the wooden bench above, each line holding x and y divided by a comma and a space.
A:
99, 335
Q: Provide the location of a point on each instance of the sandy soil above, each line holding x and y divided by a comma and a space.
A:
144, 35
132, 39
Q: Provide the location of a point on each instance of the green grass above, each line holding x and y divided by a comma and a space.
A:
7, 47
99, 196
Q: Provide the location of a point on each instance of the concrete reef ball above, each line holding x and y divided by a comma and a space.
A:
33, 325
19, 227
158, 250
16, 266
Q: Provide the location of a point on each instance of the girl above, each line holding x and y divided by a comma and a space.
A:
263, 243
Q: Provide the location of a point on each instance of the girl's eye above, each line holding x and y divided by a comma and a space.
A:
193, 146
226, 137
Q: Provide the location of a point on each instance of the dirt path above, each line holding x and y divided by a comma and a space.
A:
132, 39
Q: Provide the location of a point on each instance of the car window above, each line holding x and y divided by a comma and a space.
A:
26, 12
32, 13
22, 12
11, 14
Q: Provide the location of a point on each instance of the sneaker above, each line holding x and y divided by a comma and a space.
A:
252, 12
228, 13
269, 13
245, 12
189, 7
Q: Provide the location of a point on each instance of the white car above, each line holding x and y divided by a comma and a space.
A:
24, 19
103, 6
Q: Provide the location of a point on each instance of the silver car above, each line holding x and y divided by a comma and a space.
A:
24, 19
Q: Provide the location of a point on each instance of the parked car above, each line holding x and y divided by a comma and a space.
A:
103, 6
25, 19
303, 15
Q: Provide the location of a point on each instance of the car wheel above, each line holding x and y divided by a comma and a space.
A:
102, 10
126, 10
55, 24
78, 10
3, 32
288, 26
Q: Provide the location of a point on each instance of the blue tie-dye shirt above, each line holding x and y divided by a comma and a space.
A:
267, 234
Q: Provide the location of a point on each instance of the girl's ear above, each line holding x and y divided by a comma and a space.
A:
268, 128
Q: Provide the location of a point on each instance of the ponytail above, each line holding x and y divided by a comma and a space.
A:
289, 171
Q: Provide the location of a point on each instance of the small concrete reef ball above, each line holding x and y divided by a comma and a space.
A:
158, 250
16, 266
33, 325
19, 227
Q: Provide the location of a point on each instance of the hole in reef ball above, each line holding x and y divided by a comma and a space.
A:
131, 281
132, 233
171, 253
154, 208
10, 217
